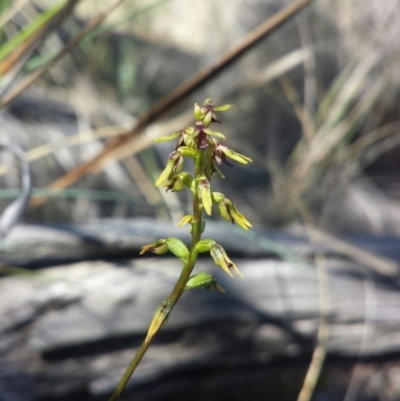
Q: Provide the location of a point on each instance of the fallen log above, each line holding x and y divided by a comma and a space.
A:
69, 331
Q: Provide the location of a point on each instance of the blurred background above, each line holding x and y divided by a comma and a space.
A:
317, 108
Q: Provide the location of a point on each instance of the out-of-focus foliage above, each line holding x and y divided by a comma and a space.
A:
316, 106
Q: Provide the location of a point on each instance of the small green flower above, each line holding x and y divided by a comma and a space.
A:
221, 152
207, 113
174, 166
221, 259
177, 182
159, 247
229, 212
205, 193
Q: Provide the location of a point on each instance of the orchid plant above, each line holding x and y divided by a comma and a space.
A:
202, 144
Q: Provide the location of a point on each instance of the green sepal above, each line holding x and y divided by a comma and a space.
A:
234, 155
219, 172
185, 220
210, 132
178, 248
223, 108
207, 119
168, 137
204, 280
197, 112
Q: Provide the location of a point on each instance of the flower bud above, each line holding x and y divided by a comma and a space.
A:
228, 152
204, 280
168, 137
178, 248
204, 245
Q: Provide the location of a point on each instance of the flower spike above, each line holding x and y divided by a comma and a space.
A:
200, 144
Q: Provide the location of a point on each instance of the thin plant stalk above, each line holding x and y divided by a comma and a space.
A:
208, 154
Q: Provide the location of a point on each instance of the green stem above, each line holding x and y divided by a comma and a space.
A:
196, 235
180, 284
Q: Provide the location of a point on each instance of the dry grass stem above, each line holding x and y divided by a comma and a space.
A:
28, 81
